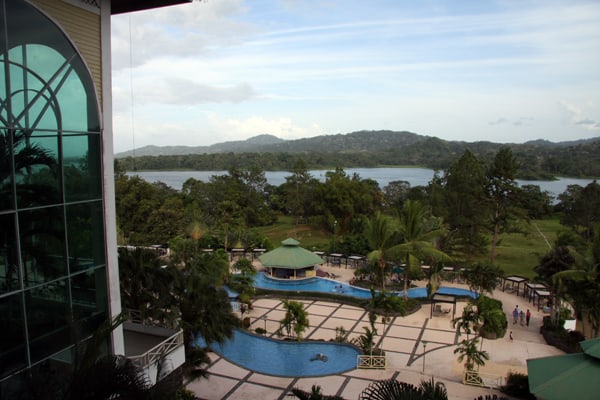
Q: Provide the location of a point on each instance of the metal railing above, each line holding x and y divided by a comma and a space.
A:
482, 379
163, 348
371, 362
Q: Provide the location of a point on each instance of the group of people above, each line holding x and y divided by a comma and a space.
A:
520, 316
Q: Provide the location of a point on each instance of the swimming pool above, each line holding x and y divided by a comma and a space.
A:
286, 358
322, 285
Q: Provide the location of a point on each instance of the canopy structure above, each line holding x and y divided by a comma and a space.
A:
290, 260
570, 376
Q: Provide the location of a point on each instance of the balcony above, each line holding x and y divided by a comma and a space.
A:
156, 350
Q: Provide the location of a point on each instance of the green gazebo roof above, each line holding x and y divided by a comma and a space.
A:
570, 376
290, 256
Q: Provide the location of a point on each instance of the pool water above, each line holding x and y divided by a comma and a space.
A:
286, 358
322, 285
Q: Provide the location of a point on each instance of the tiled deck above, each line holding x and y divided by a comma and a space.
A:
403, 344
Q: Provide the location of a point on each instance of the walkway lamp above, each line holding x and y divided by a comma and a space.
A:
425, 343
264, 318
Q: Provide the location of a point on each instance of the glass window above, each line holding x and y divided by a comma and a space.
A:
13, 353
82, 168
47, 326
36, 161
85, 236
90, 299
6, 182
9, 270
42, 235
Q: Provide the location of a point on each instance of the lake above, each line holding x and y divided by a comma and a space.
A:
383, 176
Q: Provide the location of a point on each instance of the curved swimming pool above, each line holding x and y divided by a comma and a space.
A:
322, 285
286, 358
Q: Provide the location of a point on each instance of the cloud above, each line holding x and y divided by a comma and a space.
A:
575, 115
179, 91
499, 121
284, 128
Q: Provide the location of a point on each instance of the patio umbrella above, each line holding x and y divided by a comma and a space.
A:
570, 376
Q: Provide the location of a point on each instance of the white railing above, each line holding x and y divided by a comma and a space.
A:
163, 348
371, 362
482, 379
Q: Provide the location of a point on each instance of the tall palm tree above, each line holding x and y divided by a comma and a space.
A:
418, 239
379, 235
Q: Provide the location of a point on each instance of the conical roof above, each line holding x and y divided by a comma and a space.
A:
290, 255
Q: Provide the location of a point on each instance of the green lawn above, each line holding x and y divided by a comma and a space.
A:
518, 253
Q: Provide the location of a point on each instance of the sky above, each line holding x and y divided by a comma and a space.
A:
223, 70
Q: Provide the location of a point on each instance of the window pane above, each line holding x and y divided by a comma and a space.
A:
13, 354
90, 299
36, 169
82, 168
43, 241
9, 270
47, 310
85, 236
6, 183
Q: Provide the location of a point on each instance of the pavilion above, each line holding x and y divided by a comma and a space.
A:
291, 261
569, 376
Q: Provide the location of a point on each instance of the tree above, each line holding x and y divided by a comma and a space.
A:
503, 193
418, 235
392, 389
295, 319
482, 277
473, 356
314, 394
466, 205
468, 320
379, 236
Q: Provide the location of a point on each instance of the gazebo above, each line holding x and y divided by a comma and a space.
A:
569, 376
290, 261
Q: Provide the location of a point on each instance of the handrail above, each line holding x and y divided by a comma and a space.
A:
155, 353
482, 379
371, 362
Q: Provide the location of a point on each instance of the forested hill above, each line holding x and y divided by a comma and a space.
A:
539, 159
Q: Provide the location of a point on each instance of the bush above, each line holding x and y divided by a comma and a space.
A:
260, 331
517, 385
560, 338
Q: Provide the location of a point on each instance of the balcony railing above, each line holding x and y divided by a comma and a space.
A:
153, 355
371, 362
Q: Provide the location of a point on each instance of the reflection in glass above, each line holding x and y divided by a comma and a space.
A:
81, 163
13, 354
47, 319
90, 299
85, 236
9, 270
43, 241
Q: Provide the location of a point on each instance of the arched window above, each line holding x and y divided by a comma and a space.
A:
52, 252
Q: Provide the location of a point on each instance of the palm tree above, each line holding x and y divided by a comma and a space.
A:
467, 321
468, 351
482, 277
418, 236
379, 235
295, 319
392, 389
314, 394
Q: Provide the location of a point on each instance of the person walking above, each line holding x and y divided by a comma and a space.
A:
527, 316
515, 314
510, 336
522, 318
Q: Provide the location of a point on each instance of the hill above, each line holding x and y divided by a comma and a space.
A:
540, 159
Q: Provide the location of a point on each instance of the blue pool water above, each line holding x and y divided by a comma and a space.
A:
316, 284
285, 358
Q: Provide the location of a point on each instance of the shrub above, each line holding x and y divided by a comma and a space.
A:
260, 331
517, 385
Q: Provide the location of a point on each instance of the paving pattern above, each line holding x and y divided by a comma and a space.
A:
403, 343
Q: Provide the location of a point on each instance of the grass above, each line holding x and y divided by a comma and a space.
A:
517, 253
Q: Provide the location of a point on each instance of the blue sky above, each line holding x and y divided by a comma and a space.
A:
221, 70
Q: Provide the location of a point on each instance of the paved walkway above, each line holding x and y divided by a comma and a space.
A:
403, 344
